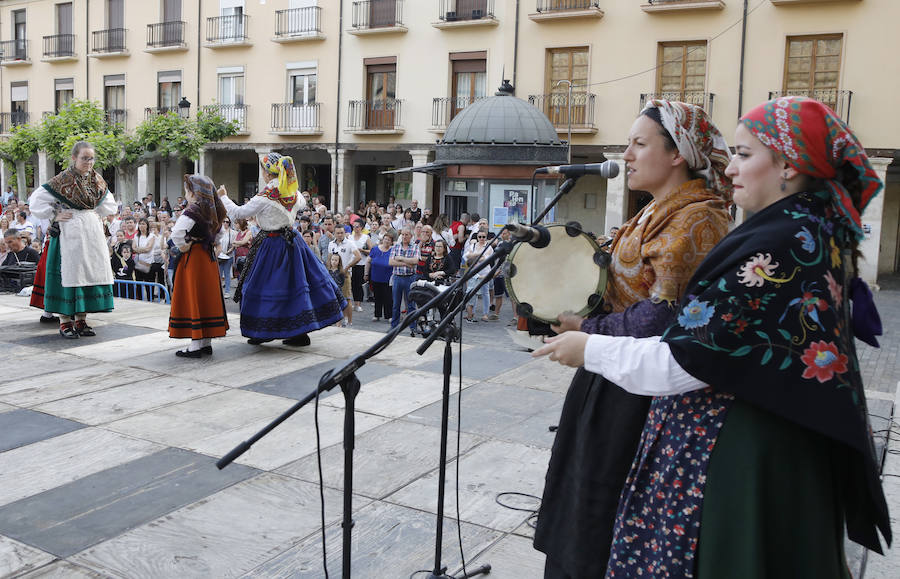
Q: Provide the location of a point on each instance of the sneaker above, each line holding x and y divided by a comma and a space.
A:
343, 323
471, 320
358, 308
226, 295
376, 319
493, 317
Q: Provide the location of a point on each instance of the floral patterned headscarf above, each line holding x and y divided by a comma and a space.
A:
815, 142
698, 140
283, 167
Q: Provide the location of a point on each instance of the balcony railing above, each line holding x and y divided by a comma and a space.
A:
298, 22
13, 50
703, 100
443, 110
116, 116
838, 100
155, 111
109, 40
556, 107
14, 119
227, 29
369, 14
165, 34
296, 118
59, 45
375, 115
562, 5
236, 114
458, 10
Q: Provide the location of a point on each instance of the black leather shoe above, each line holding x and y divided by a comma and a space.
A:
68, 331
301, 340
258, 341
206, 350
188, 353
49, 319
84, 330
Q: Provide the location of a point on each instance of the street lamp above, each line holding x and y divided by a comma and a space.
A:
184, 108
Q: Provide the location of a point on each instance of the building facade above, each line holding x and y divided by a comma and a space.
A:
352, 88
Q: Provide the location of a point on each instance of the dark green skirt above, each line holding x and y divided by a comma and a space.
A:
772, 506
69, 301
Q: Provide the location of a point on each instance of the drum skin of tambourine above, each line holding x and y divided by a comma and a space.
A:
564, 276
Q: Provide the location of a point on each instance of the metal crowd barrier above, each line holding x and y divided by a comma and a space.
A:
141, 290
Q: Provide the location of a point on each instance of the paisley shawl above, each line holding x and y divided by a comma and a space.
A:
77, 191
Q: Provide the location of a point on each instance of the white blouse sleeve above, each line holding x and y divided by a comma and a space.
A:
639, 365
108, 206
180, 230
42, 204
245, 211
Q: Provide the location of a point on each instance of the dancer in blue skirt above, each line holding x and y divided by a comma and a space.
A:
284, 291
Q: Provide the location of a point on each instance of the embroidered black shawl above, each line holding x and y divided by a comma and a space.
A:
765, 317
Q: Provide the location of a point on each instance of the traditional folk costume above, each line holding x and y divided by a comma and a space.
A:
653, 257
757, 450
284, 290
73, 276
198, 308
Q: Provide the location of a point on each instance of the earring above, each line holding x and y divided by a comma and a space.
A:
784, 182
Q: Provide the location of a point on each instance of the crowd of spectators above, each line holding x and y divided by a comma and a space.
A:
381, 248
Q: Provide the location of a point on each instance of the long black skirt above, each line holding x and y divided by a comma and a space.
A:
598, 436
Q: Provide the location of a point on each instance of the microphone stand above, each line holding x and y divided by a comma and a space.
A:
350, 386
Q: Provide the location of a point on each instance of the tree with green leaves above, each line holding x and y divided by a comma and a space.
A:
157, 137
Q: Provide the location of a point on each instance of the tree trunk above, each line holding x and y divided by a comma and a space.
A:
128, 180
21, 183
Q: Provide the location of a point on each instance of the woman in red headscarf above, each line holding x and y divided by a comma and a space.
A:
198, 308
757, 450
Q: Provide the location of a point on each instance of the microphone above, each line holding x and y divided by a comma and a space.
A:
607, 170
536, 236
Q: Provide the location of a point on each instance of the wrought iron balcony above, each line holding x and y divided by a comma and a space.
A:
838, 100
116, 116
369, 14
236, 114
297, 119
556, 107
298, 22
462, 10
59, 46
227, 29
14, 50
443, 110
109, 41
165, 34
702, 99
544, 6
156, 111
375, 115
13, 119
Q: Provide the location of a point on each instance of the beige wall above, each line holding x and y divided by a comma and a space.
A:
623, 53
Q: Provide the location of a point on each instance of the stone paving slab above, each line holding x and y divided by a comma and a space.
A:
386, 458
24, 427
17, 558
224, 535
398, 394
75, 516
6, 407
300, 382
500, 411
388, 541
512, 557
481, 478
29, 365
124, 349
293, 439
106, 332
63, 570
479, 363
77, 379
540, 374
117, 402
44, 465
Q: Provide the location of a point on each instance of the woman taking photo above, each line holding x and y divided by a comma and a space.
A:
762, 370
677, 155
243, 239
358, 273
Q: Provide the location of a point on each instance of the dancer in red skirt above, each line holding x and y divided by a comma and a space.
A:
198, 308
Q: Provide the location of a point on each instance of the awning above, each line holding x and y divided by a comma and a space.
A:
431, 168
